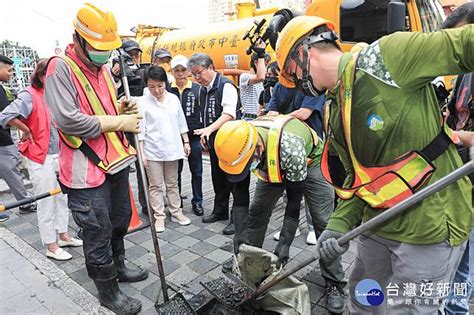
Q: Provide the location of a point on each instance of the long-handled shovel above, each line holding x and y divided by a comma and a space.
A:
28, 200
369, 225
178, 303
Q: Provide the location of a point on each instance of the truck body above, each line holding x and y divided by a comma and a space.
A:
355, 21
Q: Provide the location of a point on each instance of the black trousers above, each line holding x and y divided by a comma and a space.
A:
104, 214
223, 188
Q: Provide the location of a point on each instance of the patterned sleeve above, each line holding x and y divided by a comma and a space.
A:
293, 157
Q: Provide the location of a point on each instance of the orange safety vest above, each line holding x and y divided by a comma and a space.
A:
382, 186
119, 154
275, 125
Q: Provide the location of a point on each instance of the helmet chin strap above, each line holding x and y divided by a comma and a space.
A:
305, 84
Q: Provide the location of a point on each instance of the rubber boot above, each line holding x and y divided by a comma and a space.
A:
230, 228
240, 216
256, 231
110, 296
126, 274
287, 235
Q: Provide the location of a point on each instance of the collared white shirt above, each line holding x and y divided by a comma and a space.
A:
229, 97
161, 127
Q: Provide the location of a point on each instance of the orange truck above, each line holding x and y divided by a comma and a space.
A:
355, 20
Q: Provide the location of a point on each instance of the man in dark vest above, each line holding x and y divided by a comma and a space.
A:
219, 102
188, 93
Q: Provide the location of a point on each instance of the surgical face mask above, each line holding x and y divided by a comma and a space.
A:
254, 164
256, 159
99, 58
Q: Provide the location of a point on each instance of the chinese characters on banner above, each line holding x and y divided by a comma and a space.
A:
203, 44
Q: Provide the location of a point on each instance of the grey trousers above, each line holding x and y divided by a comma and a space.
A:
9, 171
415, 279
319, 199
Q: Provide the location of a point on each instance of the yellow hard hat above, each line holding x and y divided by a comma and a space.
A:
97, 27
296, 29
235, 144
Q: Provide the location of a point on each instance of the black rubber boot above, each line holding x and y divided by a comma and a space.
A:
240, 215
126, 274
287, 235
335, 299
110, 296
230, 229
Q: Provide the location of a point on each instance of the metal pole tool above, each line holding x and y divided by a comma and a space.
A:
177, 304
383, 217
156, 245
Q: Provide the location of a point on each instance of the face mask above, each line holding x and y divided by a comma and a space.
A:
256, 159
270, 82
254, 164
99, 58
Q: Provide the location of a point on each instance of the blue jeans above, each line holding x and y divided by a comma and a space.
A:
459, 303
195, 166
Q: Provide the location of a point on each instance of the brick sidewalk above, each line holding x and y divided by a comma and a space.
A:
190, 253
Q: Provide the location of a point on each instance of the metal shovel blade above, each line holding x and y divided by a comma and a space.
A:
176, 305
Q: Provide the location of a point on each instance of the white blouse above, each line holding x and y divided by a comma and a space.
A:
161, 127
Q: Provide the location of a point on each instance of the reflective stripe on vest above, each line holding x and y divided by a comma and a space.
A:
275, 125
379, 186
119, 153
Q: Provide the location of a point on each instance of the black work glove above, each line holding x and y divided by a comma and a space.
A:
259, 51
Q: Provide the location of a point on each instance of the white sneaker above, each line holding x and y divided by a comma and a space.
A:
160, 225
311, 238
276, 236
74, 242
59, 254
181, 219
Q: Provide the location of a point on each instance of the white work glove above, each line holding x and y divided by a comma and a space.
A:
329, 248
126, 123
128, 107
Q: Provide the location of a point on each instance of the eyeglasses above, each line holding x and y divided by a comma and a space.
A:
198, 74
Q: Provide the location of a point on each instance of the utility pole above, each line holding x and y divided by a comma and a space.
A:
257, 4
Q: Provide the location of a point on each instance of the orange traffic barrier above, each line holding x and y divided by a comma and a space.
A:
135, 222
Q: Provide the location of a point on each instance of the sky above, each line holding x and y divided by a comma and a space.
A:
45, 24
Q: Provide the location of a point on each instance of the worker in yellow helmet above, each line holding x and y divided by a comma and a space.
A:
385, 124
94, 154
284, 153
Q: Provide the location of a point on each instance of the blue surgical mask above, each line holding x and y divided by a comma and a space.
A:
99, 58
254, 164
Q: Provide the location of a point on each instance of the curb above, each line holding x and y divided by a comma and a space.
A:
58, 277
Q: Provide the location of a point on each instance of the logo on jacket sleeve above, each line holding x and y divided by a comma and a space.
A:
375, 122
